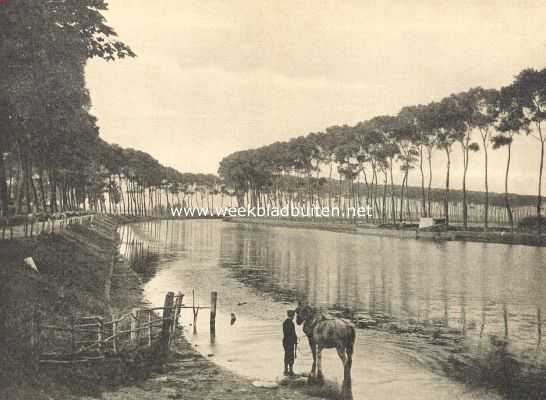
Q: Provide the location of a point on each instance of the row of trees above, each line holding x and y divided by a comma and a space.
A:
478, 119
51, 156
137, 184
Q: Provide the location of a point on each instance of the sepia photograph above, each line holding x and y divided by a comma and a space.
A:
272, 199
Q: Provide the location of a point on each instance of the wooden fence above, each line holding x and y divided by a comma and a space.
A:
91, 338
30, 226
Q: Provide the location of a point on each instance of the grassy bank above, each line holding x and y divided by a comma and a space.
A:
76, 267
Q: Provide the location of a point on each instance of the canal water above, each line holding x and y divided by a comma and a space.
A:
468, 296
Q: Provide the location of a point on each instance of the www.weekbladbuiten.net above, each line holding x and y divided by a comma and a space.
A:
269, 211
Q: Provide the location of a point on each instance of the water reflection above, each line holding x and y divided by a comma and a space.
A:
490, 295
478, 289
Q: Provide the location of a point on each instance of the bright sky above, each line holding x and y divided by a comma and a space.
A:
213, 77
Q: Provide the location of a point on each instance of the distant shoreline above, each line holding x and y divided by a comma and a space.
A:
518, 238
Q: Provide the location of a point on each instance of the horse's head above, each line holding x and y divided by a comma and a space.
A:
302, 313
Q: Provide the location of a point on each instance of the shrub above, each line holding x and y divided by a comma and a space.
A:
530, 224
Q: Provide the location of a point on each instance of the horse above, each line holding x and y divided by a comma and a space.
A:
326, 332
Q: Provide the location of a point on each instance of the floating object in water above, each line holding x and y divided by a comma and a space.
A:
30, 262
242, 303
233, 318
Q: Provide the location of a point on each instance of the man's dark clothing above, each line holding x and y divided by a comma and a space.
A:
289, 342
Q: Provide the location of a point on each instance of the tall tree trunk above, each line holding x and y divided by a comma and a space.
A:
129, 201
393, 206
429, 156
423, 198
446, 193
42, 189
4, 195
465, 170
367, 191
402, 197
539, 196
374, 189
26, 182
53, 191
486, 170
121, 193
20, 182
384, 205
340, 189
110, 191
330, 188
408, 211
506, 199
32, 187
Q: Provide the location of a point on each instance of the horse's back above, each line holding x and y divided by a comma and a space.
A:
335, 332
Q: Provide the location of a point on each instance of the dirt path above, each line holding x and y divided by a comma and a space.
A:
190, 376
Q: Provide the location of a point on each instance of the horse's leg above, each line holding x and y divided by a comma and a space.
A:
314, 354
320, 377
343, 358
347, 384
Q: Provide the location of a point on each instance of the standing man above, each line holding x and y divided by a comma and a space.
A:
289, 342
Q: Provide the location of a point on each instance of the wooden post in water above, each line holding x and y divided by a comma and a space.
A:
213, 301
195, 311
176, 315
167, 322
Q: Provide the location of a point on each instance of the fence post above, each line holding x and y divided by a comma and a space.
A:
195, 311
213, 300
149, 329
179, 309
114, 334
135, 325
176, 315
100, 333
167, 322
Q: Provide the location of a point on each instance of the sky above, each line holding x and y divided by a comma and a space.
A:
214, 77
